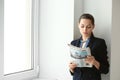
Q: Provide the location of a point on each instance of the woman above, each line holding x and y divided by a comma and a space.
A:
98, 49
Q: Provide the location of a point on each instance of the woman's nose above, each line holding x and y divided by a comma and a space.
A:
85, 28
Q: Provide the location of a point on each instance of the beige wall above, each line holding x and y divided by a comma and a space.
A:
115, 42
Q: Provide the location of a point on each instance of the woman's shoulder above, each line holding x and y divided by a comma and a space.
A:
99, 41
98, 44
76, 41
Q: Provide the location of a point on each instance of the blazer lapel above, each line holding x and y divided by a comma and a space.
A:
79, 42
90, 44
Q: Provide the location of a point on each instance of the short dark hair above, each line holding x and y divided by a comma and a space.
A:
87, 16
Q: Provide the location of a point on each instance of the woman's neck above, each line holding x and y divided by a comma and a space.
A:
84, 38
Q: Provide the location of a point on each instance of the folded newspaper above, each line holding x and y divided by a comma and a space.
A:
78, 55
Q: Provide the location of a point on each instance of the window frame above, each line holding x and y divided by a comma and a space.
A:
28, 74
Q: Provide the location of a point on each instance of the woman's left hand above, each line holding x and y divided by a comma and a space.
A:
91, 60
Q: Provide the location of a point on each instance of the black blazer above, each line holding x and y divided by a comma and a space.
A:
99, 51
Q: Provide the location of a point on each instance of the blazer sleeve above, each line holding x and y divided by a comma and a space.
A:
101, 56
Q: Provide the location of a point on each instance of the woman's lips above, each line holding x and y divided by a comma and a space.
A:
85, 32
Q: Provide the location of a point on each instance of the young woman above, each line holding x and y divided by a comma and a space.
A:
98, 48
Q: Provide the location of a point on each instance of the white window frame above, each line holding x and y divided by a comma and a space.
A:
28, 74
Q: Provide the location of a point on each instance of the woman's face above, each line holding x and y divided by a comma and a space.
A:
86, 27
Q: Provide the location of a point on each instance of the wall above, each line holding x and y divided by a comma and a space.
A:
78, 10
115, 42
1, 37
55, 32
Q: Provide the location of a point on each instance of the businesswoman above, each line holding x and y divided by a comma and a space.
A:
98, 47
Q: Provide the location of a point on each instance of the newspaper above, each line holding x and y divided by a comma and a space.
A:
78, 55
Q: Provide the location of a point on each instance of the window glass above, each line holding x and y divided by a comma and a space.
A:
17, 36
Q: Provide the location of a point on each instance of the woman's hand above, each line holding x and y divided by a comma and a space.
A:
72, 66
91, 60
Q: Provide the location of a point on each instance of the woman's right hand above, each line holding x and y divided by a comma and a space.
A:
72, 66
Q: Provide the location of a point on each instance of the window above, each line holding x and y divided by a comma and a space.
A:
17, 36
19, 39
